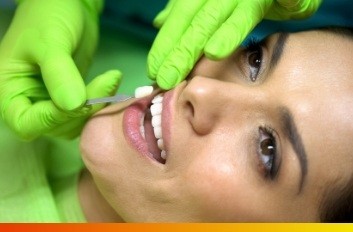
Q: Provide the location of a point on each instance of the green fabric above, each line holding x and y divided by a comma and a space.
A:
38, 179
64, 190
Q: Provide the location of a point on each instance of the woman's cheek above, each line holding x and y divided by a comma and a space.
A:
97, 143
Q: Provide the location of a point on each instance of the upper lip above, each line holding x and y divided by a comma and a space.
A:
169, 105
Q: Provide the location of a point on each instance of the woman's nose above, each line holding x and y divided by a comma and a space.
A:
210, 101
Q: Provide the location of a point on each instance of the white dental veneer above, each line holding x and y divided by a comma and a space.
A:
143, 91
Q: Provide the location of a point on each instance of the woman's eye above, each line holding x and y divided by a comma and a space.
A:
268, 152
254, 57
255, 61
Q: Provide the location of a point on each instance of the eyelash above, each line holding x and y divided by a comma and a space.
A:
269, 163
253, 47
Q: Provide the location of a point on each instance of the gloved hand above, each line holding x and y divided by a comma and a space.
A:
213, 27
26, 106
69, 125
43, 56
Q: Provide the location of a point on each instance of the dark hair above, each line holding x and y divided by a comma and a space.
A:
341, 31
337, 202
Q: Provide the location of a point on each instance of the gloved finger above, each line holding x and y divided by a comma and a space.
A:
293, 9
173, 29
85, 49
297, 5
230, 35
291, 4
32, 120
182, 59
163, 15
63, 80
103, 85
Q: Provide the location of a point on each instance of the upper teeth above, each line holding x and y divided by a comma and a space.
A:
156, 112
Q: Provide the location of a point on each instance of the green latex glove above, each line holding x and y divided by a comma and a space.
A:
213, 27
43, 56
26, 106
70, 125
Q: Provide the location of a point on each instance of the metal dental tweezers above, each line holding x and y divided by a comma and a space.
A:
116, 98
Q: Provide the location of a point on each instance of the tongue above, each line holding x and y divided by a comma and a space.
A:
151, 139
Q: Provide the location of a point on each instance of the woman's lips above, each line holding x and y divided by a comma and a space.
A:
167, 118
133, 116
131, 124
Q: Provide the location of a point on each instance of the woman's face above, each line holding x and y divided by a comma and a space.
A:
259, 136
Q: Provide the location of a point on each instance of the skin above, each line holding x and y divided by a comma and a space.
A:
219, 176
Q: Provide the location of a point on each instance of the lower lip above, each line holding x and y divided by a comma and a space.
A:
131, 125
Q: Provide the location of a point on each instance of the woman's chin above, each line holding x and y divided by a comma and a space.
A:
99, 136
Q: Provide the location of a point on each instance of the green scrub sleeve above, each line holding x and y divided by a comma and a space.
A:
64, 166
38, 180
66, 197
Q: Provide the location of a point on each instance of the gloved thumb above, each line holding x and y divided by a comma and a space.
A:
103, 85
163, 15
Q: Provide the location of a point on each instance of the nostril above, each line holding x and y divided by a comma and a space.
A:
195, 121
191, 109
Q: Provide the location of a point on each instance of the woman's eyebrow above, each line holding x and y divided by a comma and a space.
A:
291, 132
278, 49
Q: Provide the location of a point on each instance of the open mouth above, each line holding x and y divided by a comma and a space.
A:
151, 129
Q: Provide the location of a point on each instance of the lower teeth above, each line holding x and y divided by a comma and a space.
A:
163, 154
